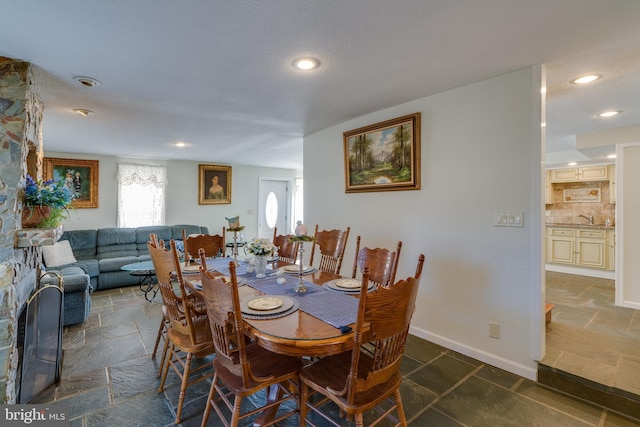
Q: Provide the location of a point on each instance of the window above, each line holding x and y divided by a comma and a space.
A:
141, 194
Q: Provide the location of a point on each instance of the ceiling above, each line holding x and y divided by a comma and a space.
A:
217, 74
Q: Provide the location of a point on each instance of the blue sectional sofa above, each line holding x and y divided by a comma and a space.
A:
100, 254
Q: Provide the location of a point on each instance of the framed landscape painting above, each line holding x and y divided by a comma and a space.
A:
79, 176
214, 185
384, 156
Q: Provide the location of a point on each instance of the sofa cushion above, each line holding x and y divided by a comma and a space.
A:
83, 242
114, 264
116, 242
142, 236
58, 254
176, 230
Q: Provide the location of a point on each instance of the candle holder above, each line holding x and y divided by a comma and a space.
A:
300, 287
234, 250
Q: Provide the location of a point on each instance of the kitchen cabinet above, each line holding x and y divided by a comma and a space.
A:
578, 247
611, 251
548, 188
612, 183
592, 173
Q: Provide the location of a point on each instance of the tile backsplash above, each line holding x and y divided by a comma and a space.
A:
561, 212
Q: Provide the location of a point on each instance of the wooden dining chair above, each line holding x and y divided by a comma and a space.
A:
189, 335
287, 250
369, 375
382, 263
242, 368
213, 245
331, 244
164, 321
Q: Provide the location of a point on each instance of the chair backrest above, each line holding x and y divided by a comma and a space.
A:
225, 320
213, 244
382, 263
179, 308
382, 326
332, 244
287, 250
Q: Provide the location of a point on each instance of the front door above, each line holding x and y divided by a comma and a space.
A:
273, 207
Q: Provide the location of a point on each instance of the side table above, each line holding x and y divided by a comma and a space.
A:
147, 273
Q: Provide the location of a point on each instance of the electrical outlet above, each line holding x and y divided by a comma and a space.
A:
494, 330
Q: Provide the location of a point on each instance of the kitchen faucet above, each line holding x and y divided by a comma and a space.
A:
590, 218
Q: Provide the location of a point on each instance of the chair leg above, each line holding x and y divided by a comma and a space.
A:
161, 334
210, 397
400, 408
303, 395
165, 366
235, 417
183, 386
165, 350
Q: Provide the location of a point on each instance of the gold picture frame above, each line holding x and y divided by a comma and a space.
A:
80, 177
214, 185
384, 156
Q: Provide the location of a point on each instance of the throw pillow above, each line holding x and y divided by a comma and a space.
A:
58, 254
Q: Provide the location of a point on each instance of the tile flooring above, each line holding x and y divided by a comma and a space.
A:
589, 337
109, 379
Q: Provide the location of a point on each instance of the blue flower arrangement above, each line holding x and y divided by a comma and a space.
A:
53, 194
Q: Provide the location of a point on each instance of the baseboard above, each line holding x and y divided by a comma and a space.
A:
490, 359
602, 274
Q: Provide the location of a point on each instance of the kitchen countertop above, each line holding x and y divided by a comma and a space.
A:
585, 226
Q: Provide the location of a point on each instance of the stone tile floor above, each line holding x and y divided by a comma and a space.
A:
109, 379
588, 335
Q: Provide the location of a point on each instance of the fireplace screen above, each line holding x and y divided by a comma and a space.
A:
40, 342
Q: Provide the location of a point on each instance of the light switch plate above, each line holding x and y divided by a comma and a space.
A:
508, 219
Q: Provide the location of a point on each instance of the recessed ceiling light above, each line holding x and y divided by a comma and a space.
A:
305, 64
87, 81
586, 79
84, 112
572, 163
611, 156
609, 113
181, 144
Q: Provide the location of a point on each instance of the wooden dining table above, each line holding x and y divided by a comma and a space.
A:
299, 333
296, 334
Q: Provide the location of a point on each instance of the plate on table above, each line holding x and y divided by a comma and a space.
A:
296, 268
266, 304
333, 285
348, 283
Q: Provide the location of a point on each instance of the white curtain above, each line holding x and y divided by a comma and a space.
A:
141, 194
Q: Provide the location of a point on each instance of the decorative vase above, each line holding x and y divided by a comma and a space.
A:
261, 266
34, 215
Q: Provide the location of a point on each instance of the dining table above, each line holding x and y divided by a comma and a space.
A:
319, 322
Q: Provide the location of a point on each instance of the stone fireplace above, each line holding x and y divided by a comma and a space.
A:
21, 152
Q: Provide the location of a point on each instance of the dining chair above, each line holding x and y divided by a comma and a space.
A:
165, 323
287, 250
331, 244
382, 263
243, 368
213, 245
189, 335
368, 376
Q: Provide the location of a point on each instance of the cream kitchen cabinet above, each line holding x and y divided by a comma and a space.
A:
612, 183
577, 247
611, 251
592, 173
548, 188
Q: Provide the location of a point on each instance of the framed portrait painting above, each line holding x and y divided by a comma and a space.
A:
79, 176
214, 185
384, 156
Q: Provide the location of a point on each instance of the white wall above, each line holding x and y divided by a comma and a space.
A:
627, 225
481, 154
182, 194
